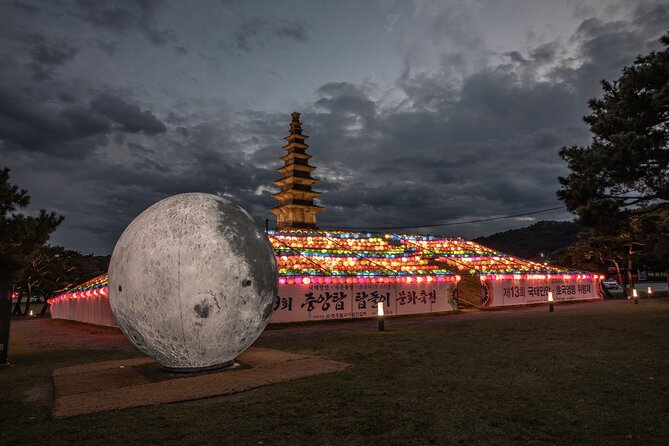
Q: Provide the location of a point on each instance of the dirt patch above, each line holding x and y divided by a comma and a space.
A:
128, 383
39, 394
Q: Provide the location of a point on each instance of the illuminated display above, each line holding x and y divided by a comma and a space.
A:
352, 257
96, 287
312, 256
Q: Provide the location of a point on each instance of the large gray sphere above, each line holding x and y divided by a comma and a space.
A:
192, 281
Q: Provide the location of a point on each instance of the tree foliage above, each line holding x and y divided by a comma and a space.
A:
653, 234
27, 263
619, 184
54, 269
21, 236
625, 168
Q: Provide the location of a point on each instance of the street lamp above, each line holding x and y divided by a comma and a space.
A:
635, 295
380, 315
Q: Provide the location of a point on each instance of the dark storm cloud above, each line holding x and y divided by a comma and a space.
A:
32, 38
124, 15
27, 125
108, 47
207, 159
48, 55
448, 144
483, 146
296, 30
42, 55
25, 7
263, 32
515, 56
652, 17
129, 117
545, 53
57, 120
537, 57
56, 53
345, 96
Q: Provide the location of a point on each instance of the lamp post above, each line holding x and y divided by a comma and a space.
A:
650, 292
550, 302
380, 315
5, 319
636, 296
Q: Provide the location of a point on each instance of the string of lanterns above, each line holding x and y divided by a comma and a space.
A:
96, 287
323, 257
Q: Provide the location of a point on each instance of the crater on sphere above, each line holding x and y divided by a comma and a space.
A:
202, 309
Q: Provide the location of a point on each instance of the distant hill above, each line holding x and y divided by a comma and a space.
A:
542, 237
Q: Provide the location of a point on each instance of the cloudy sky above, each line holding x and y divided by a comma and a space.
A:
419, 112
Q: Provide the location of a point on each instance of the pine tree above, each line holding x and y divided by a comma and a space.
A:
622, 177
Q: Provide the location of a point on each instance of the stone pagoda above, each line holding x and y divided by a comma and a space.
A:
296, 207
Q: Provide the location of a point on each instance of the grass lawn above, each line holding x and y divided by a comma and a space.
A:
594, 375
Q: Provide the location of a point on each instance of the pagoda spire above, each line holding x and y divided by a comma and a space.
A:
296, 207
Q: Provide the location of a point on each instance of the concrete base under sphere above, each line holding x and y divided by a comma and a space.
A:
192, 281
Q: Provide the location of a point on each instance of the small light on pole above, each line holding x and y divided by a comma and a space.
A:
550, 301
635, 295
650, 291
379, 313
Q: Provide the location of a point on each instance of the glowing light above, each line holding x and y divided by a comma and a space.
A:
306, 257
94, 287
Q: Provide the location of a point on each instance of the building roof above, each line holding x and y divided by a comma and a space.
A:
319, 256
363, 256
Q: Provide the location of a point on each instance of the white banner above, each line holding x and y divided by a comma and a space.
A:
345, 301
496, 293
91, 310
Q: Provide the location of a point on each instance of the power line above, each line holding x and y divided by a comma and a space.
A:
435, 225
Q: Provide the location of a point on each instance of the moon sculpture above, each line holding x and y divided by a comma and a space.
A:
192, 282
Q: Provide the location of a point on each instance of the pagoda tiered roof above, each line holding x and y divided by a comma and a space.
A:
296, 199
